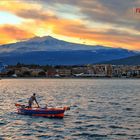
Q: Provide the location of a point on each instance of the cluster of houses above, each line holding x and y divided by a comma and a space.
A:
100, 70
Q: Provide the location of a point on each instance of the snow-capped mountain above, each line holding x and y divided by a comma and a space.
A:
49, 50
46, 43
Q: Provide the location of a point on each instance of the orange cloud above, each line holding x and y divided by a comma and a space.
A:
40, 20
14, 6
9, 33
106, 37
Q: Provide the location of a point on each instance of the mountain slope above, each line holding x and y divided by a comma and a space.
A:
133, 60
46, 43
48, 50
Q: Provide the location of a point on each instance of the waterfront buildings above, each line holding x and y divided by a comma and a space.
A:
99, 70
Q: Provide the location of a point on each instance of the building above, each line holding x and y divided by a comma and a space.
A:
109, 70
64, 72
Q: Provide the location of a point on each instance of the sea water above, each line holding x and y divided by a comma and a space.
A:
101, 109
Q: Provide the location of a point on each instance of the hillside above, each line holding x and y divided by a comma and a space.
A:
52, 51
133, 60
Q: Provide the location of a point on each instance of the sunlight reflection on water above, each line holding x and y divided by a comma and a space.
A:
102, 109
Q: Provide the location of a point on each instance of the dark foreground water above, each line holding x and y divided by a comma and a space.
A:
100, 109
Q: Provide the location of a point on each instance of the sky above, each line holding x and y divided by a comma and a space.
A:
113, 23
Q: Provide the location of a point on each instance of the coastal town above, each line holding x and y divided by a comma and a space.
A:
81, 71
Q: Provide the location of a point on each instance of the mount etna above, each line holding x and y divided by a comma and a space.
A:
51, 51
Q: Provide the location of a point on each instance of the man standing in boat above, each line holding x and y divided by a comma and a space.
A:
32, 99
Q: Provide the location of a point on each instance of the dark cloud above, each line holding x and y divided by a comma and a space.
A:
32, 14
115, 12
35, 14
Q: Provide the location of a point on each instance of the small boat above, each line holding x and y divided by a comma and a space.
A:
51, 112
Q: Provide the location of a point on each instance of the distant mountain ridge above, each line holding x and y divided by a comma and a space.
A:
133, 60
49, 50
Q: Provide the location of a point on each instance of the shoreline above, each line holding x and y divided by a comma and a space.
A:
108, 78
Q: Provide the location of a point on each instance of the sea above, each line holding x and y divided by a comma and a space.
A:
100, 109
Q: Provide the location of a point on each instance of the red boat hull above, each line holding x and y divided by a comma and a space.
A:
41, 112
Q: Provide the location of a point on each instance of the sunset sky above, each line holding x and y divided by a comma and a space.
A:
113, 23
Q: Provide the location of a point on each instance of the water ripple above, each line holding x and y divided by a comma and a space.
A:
100, 109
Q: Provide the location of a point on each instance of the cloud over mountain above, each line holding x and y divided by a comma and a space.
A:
103, 22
